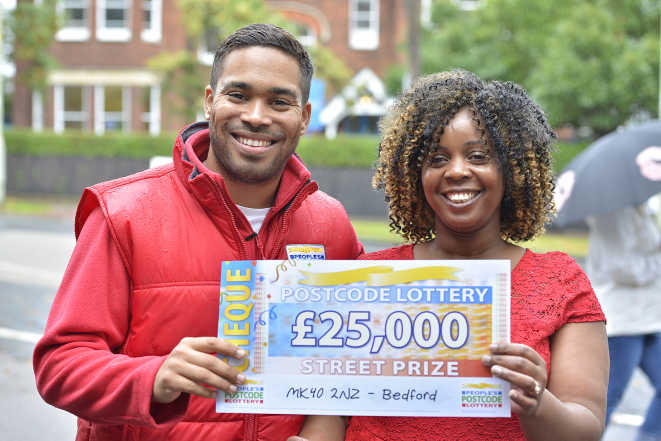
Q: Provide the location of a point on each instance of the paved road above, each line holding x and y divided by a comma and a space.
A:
33, 255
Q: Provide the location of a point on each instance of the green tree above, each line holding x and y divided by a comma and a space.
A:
182, 75
33, 27
224, 16
330, 68
500, 40
600, 66
589, 62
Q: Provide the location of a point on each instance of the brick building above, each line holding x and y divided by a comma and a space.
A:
103, 82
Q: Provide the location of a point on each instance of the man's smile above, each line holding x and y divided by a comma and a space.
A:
253, 142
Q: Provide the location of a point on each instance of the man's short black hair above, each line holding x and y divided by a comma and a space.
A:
262, 34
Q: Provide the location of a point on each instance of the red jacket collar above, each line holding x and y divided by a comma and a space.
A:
191, 148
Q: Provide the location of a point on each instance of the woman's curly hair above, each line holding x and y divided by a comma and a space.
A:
507, 118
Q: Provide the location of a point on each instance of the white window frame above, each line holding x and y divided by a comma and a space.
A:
104, 33
468, 5
425, 13
100, 109
364, 38
204, 55
153, 116
310, 39
60, 115
37, 111
74, 33
153, 34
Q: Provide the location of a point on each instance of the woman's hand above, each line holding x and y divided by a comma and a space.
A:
571, 403
524, 369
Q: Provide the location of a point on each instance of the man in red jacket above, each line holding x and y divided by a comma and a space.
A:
129, 344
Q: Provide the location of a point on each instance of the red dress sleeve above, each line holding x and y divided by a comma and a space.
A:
582, 305
550, 290
77, 363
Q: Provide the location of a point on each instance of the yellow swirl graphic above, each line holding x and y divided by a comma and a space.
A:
412, 275
481, 386
342, 277
379, 276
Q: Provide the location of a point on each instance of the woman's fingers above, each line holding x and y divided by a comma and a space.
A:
526, 392
523, 404
517, 349
524, 369
516, 364
525, 383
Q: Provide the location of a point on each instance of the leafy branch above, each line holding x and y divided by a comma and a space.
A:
33, 27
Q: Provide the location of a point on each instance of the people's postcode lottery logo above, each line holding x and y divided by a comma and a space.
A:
247, 394
481, 396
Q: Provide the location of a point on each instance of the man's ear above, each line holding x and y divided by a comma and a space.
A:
305, 118
208, 101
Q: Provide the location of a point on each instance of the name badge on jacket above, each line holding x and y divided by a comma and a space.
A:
306, 252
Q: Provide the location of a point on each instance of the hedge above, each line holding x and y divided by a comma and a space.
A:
315, 149
74, 143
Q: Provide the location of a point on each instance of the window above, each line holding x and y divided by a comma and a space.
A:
208, 45
75, 25
112, 18
112, 108
151, 20
113, 118
425, 13
145, 108
147, 10
364, 24
116, 14
70, 108
305, 34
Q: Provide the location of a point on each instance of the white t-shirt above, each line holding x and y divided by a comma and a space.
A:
255, 216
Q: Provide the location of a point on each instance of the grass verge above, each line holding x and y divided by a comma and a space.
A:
574, 244
56, 207
27, 207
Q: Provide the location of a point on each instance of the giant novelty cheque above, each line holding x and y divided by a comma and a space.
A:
366, 337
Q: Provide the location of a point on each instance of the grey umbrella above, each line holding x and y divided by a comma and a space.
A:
620, 169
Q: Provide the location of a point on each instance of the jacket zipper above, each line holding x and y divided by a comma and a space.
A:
301, 193
219, 196
250, 424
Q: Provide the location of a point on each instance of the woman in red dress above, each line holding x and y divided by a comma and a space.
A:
466, 169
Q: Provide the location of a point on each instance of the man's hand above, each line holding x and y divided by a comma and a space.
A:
193, 368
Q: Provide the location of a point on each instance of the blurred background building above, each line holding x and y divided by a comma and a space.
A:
103, 80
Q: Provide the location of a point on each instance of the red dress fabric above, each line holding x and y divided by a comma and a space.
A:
548, 290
